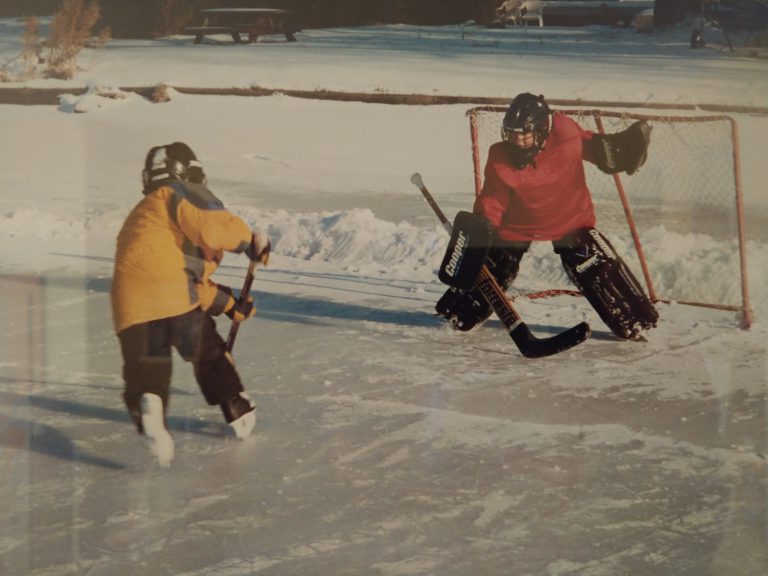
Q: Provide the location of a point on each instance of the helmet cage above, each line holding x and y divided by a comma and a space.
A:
528, 114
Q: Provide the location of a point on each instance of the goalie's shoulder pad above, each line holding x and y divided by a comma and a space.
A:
624, 151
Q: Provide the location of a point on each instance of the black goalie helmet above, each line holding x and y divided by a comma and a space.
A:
526, 114
171, 162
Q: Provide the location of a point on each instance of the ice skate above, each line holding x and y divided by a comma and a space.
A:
157, 437
463, 309
240, 413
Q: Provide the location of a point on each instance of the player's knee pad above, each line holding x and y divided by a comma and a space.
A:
607, 283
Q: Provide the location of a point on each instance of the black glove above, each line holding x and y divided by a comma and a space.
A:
233, 308
241, 311
624, 151
259, 249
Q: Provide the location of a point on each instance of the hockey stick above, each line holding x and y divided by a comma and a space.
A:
243, 297
529, 345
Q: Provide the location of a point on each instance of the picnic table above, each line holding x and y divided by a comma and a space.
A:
253, 22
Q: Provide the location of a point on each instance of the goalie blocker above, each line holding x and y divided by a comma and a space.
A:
467, 250
471, 248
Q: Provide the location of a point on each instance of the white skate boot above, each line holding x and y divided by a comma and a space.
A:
158, 439
240, 413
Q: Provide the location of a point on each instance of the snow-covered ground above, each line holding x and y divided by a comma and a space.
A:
387, 444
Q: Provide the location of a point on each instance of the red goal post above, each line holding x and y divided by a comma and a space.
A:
684, 205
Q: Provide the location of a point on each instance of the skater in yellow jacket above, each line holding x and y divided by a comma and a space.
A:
163, 297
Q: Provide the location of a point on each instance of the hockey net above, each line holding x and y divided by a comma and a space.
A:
678, 221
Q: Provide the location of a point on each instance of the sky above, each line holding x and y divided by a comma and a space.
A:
386, 443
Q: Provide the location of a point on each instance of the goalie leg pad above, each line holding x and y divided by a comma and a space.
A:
607, 283
624, 151
467, 250
465, 309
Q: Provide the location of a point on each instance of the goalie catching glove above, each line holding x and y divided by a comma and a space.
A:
624, 151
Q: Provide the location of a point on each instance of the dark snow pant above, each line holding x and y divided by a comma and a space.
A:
146, 350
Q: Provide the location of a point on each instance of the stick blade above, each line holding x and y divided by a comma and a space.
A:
532, 347
416, 179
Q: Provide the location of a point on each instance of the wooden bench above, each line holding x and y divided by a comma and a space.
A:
253, 22
531, 11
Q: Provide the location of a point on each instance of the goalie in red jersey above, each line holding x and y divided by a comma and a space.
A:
535, 189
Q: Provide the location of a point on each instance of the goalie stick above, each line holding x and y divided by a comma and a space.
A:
529, 345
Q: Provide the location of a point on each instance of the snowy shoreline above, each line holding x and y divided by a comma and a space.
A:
52, 96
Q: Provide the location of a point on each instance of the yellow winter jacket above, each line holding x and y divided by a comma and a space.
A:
168, 247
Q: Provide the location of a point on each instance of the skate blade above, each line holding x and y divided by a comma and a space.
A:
244, 425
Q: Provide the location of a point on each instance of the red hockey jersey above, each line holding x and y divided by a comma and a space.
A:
545, 200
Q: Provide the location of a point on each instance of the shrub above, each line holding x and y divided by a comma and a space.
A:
71, 28
24, 65
32, 47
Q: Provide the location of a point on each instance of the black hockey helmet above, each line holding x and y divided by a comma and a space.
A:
526, 114
174, 161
